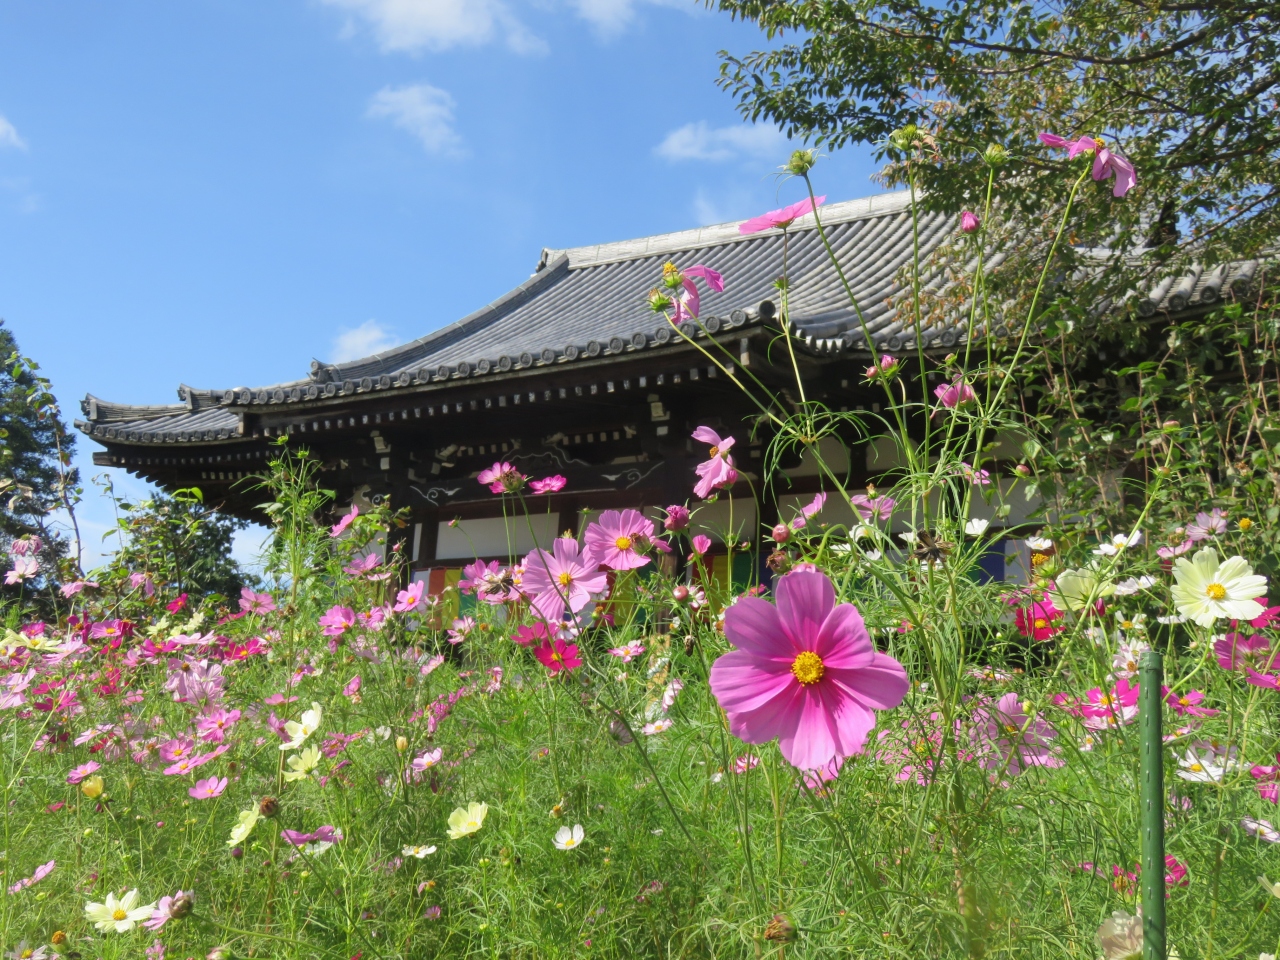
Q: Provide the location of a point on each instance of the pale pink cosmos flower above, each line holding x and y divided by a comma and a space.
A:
808, 511
411, 599
552, 484
169, 908
179, 748
144, 581
208, 789
213, 725
781, 218
460, 629
748, 761
669, 694
1207, 525
1124, 663
689, 304
627, 652
40, 873
717, 472
336, 620
24, 568
26, 546
561, 580
1168, 553
955, 393
805, 673
617, 538
428, 760
362, 565
1262, 829
701, 544
1008, 738
338, 528
872, 507
979, 478
79, 773
502, 477
256, 603
71, 589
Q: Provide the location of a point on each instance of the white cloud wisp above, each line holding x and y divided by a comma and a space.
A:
422, 110
9, 135
362, 341
412, 26
699, 141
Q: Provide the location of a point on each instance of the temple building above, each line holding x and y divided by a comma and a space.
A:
571, 373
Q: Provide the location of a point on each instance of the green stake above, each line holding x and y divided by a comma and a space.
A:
1151, 674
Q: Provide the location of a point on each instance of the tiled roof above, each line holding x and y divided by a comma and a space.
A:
587, 302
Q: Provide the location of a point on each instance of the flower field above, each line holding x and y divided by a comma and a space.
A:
601, 749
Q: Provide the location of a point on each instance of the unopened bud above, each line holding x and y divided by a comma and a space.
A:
680, 594
219, 953
1022, 470
402, 743
237, 853
969, 222
801, 162
904, 137
781, 533
995, 154
58, 938
1171, 424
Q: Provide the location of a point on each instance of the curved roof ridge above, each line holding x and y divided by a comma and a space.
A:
719, 234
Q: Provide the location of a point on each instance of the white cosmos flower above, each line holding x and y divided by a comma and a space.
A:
1271, 888
1262, 829
658, 726
976, 527
1118, 543
1077, 589
301, 764
1039, 543
567, 839
118, 916
1127, 588
1120, 937
299, 730
419, 851
244, 826
1207, 762
1206, 591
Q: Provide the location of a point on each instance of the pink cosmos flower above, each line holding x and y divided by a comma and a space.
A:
781, 218
717, 472
689, 305
71, 589
362, 565
979, 478
352, 689
805, 672
1187, 703
872, 507
748, 761
26, 546
213, 725
179, 748
627, 652
208, 789
107, 629
1036, 621
528, 635
1007, 739
502, 477
169, 908
338, 528
428, 760
556, 655
560, 580
677, 518
1168, 553
548, 484
79, 773
955, 393
1262, 829
256, 603
144, 581
460, 629
1268, 681
886, 367
1235, 651
616, 539
336, 619
1265, 618
701, 544
1105, 162
1108, 709
969, 221
410, 599
40, 873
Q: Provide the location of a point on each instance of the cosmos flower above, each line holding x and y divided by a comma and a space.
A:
661, 725
1207, 762
567, 838
1009, 738
301, 765
717, 472
1205, 590
1080, 588
804, 672
561, 580
1106, 163
954, 394
79, 773
256, 603
170, 908
336, 619
299, 730
338, 528
465, 821
781, 218
118, 916
502, 477
417, 850
556, 655
39, 874
1118, 543
208, 789
1262, 829
871, 507
616, 539
627, 652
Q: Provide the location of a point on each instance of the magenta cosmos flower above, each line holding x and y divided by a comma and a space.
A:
502, 478
556, 655
689, 304
969, 221
677, 518
617, 537
805, 672
717, 471
561, 579
781, 218
336, 619
548, 484
1007, 739
953, 394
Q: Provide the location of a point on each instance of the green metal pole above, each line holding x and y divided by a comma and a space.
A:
1151, 677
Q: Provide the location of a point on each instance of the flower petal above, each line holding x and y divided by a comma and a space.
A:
881, 685
753, 625
843, 642
804, 601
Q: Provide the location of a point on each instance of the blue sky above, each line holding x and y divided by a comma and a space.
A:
217, 192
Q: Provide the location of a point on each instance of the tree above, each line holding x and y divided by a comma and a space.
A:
1186, 90
36, 477
180, 543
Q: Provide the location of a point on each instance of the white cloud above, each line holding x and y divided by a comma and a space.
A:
424, 111
698, 141
411, 26
610, 17
362, 341
9, 135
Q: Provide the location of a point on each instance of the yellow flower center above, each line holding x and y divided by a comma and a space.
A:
565, 579
1216, 591
1104, 701
1041, 623
119, 915
570, 842
1196, 768
669, 268
1039, 558
808, 668
1184, 702
714, 452
1126, 624
623, 543
1245, 523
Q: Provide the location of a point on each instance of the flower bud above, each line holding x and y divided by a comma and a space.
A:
995, 154
269, 807
182, 905
1171, 424
237, 853
781, 533
904, 137
969, 222
677, 518
680, 594
779, 562
801, 162
92, 787
402, 743
219, 953
1022, 470
58, 938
